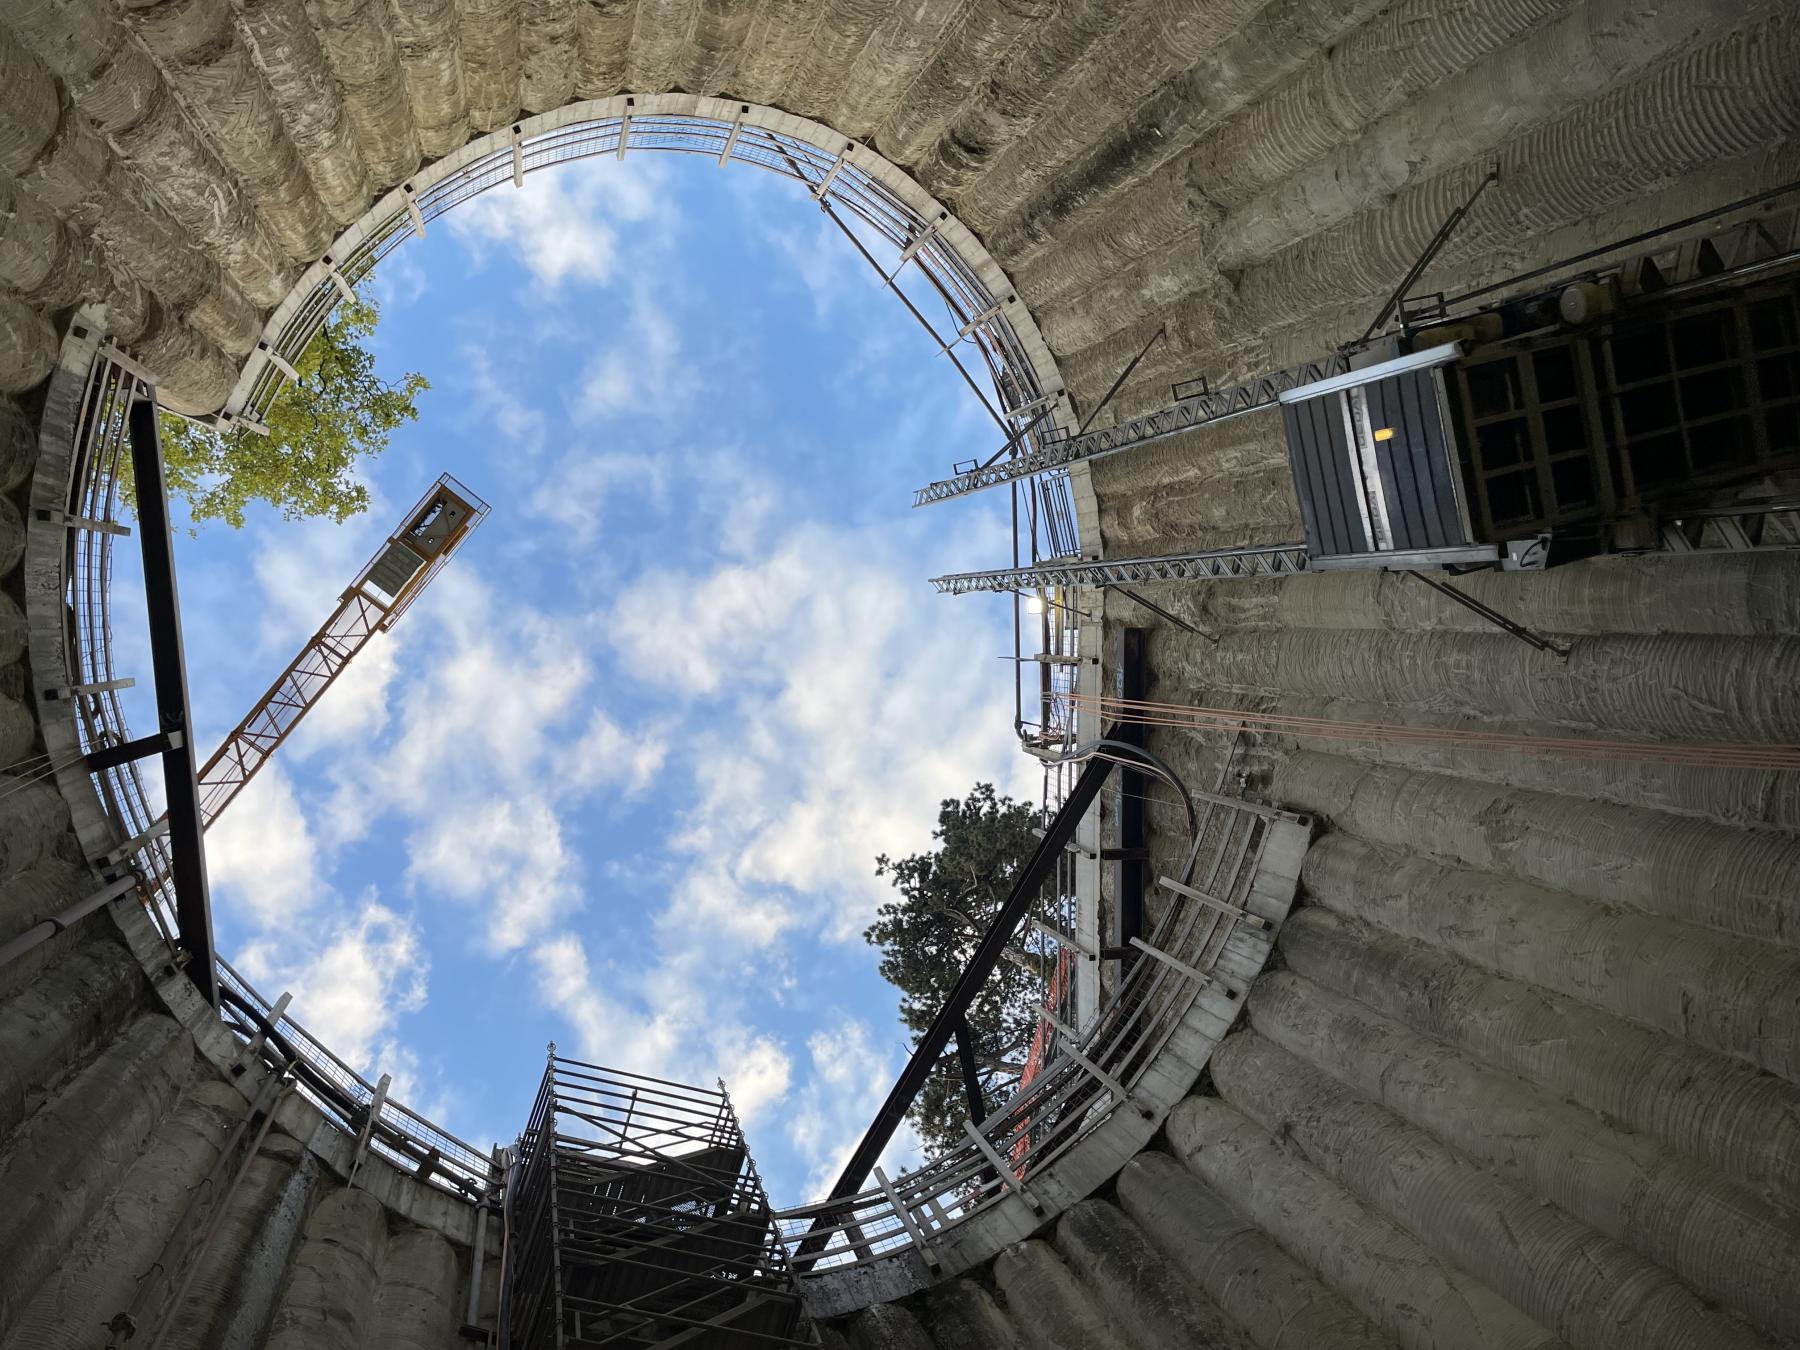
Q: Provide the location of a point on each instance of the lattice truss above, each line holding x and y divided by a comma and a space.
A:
382, 591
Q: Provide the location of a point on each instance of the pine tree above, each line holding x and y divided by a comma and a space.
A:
947, 899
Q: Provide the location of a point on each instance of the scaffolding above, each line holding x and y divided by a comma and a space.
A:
635, 1219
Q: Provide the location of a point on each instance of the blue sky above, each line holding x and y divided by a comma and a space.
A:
618, 779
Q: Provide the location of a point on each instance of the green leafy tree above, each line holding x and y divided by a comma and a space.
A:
338, 415
947, 899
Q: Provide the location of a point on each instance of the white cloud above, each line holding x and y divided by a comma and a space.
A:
755, 1069
847, 732
506, 855
399, 281
261, 856
356, 711
350, 986
850, 1078
801, 696
488, 680
667, 1026
559, 225
606, 755
574, 493
607, 1030
818, 729
303, 568
524, 429
827, 265
641, 372
492, 736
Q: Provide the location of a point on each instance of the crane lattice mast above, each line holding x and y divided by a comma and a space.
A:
372, 603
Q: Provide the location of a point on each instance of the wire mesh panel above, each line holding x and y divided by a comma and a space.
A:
635, 1219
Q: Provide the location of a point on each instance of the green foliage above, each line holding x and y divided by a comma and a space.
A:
320, 430
947, 899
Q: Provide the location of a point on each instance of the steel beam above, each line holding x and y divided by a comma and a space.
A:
1186, 414
1131, 682
1272, 560
111, 756
971, 1072
987, 955
168, 663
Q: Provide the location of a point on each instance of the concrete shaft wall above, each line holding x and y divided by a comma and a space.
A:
1239, 171
1526, 1071
1528, 1077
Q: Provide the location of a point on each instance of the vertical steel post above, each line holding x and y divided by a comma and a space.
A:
168, 660
965, 1052
1131, 681
547, 1142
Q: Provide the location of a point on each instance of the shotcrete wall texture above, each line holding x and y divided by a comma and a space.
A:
1530, 1074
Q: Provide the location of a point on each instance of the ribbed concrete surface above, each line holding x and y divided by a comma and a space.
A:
1527, 1072
1528, 1078
1229, 170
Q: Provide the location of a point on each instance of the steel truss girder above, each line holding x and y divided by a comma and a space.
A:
1224, 564
293, 694
1195, 411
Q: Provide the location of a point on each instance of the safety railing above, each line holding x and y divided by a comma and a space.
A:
834, 177
99, 467
1090, 1073
1048, 681
394, 1131
975, 317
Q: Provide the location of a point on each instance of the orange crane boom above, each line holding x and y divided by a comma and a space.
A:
380, 594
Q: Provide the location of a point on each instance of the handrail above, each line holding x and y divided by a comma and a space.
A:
981, 317
983, 321
1026, 885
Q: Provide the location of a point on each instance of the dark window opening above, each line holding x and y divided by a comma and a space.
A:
1494, 388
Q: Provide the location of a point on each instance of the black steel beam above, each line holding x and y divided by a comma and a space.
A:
168, 662
971, 1074
1131, 682
988, 954
111, 756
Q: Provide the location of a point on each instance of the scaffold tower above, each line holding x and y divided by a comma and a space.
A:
635, 1219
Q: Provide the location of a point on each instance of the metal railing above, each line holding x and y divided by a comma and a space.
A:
1059, 449
978, 316
1090, 1072
1047, 683
981, 321
99, 465
975, 317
